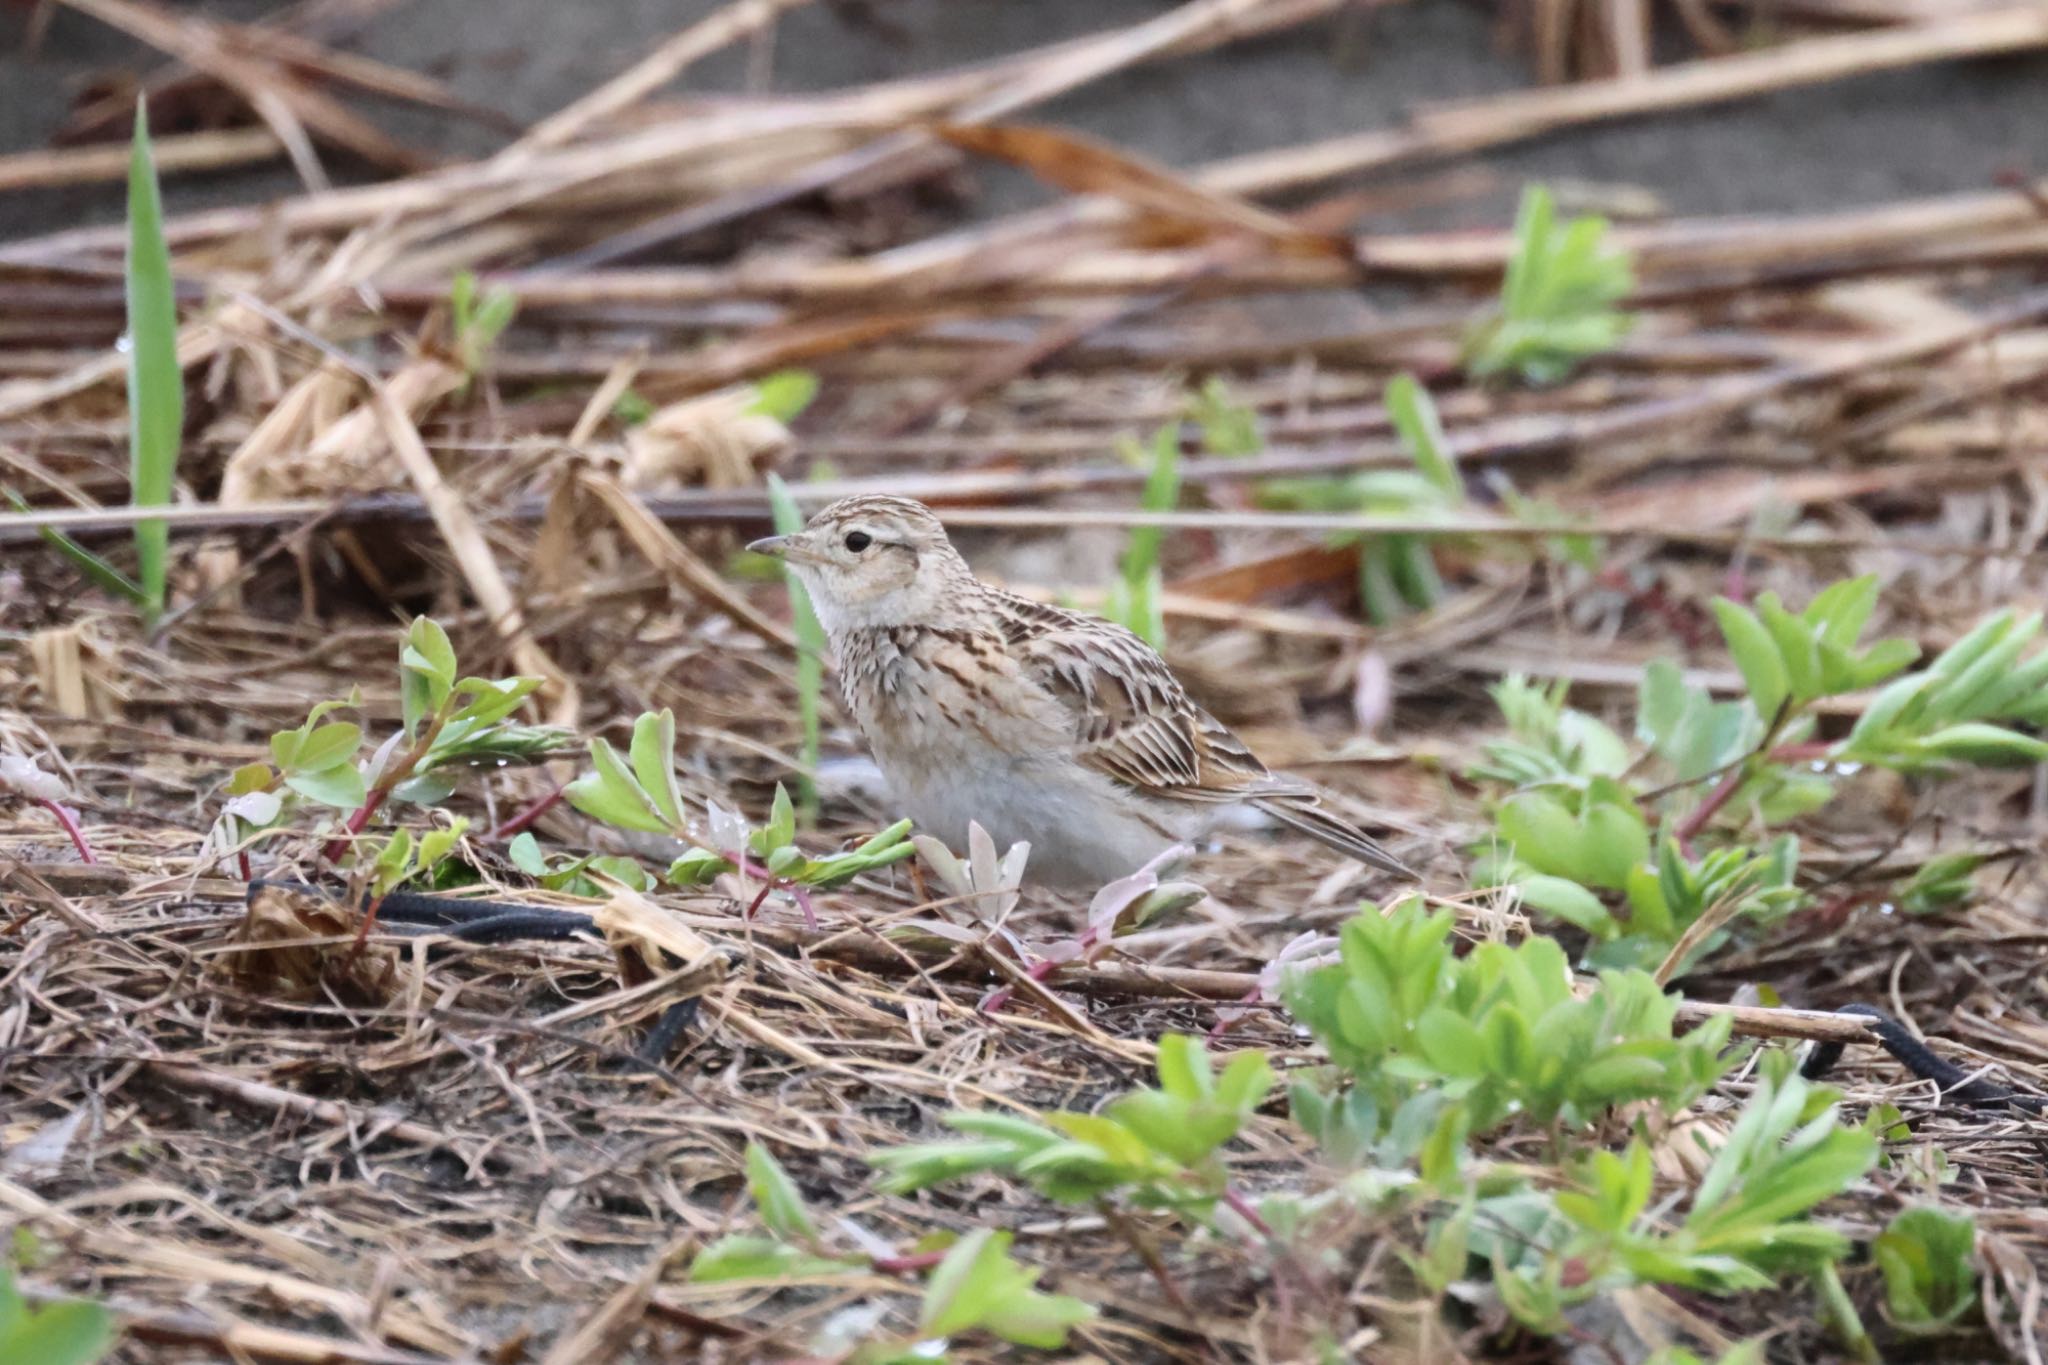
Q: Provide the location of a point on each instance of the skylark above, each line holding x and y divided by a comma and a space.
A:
1041, 724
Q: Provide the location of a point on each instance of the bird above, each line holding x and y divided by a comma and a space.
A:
1046, 726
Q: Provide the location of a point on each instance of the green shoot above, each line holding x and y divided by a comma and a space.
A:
783, 395
811, 641
1557, 303
451, 725
1229, 429
1157, 1148
638, 791
980, 1287
1397, 574
1134, 596
1930, 1274
71, 1332
478, 322
109, 578
974, 1286
156, 386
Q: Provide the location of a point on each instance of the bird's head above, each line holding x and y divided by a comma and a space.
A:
875, 561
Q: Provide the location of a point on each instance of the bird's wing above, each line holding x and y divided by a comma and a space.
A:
1132, 721
1135, 724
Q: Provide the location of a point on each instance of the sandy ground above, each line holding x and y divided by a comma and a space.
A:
1947, 128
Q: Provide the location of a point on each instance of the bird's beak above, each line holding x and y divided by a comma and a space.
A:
788, 549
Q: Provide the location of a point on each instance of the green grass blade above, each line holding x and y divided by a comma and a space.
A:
156, 388
810, 663
90, 564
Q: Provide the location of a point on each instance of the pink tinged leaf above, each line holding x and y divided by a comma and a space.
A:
21, 773
1372, 692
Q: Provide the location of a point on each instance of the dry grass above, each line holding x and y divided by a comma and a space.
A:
437, 1151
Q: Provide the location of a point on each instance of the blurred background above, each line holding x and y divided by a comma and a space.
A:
1362, 65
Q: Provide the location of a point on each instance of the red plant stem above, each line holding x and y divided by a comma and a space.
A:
1723, 792
526, 817
70, 823
1731, 782
339, 845
242, 862
386, 784
1223, 1025
1808, 752
769, 882
1242, 1207
1040, 970
906, 1265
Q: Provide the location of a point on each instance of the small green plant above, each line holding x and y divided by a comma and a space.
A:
783, 395
105, 575
974, 1285
1397, 574
70, 1332
451, 725
156, 384
1228, 428
1557, 299
979, 1287
1134, 596
1930, 1274
638, 791
812, 647
1747, 1226
1499, 1030
1156, 1148
478, 321
1661, 853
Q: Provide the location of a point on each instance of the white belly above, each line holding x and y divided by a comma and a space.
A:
1082, 831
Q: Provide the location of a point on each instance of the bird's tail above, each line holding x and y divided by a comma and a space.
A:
1306, 814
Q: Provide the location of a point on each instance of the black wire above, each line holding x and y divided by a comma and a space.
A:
1957, 1085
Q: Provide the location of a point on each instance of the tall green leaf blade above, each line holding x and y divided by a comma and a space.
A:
810, 661
156, 387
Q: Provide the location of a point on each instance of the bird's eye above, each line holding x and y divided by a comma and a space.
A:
857, 541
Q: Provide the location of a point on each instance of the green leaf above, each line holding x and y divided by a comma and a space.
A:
1038, 1320
653, 754
437, 844
762, 1258
1797, 648
426, 671
1756, 655
69, 1332
156, 384
611, 794
1570, 902
491, 699
1244, 1083
340, 786
1977, 742
328, 745
698, 867
1422, 433
524, 851
813, 646
1930, 1276
978, 1285
776, 1196
966, 1284
109, 578
781, 826
784, 394
1184, 1069
1840, 610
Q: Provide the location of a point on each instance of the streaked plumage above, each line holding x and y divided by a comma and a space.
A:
1042, 724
